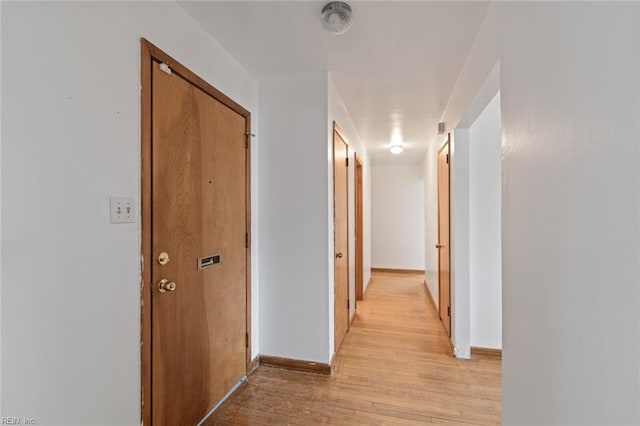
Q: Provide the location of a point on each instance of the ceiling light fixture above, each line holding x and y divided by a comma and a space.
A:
337, 17
397, 149
396, 141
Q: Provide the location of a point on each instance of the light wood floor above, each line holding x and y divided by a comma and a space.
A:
394, 368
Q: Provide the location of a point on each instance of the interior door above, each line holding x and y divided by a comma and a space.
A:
341, 239
359, 229
444, 246
199, 255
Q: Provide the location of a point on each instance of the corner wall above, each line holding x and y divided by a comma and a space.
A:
70, 139
295, 264
570, 96
296, 201
338, 112
460, 247
485, 241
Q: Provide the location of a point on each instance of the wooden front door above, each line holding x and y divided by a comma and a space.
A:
341, 239
199, 248
359, 229
444, 245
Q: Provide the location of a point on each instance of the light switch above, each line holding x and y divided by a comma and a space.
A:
122, 210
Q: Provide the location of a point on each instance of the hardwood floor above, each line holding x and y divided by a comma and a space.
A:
394, 368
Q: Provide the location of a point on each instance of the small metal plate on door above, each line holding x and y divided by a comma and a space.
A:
207, 261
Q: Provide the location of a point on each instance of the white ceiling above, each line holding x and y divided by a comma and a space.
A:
396, 66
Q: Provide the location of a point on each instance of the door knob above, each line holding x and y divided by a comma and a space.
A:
339, 255
165, 285
439, 246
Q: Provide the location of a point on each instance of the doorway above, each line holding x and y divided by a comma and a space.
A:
341, 234
444, 236
195, 243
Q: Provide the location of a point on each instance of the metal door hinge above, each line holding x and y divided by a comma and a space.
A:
448, 311
347, 161
447, 158
248, 140
246, 240
348, 303
246, 340
165, 68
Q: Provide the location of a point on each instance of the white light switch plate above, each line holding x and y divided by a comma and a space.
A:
122, 209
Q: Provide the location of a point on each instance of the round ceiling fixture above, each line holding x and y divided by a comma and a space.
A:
396, 141
396, 149
337, 17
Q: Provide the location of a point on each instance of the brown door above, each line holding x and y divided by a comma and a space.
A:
444, 247
199, 219
359, 229
341, 240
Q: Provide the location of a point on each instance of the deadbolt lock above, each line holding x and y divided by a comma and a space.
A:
163, 258
165, 285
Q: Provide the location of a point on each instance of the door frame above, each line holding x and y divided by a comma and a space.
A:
358, 171
338, 130
447, 144
149, 53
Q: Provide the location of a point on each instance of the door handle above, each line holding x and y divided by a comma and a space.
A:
165, 285
339, 255
439, 246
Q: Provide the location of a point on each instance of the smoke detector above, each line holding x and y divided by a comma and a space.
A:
337, 17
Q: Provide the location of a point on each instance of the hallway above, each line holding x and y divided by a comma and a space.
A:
394, 368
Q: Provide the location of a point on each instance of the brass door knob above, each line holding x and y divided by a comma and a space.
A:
163, 258
339, 255
439, 246
165, 285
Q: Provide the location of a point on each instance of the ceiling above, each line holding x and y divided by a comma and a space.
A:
396, 67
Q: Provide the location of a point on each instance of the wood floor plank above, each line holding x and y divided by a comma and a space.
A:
394, 368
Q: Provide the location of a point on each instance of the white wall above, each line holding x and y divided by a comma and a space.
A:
460, 248
70, 139
397, 216
461, 253
570, 110
296, 169
430, 176
0, 215
294, 218
466, 100
338, 112
570, 210
485, 241
477, 84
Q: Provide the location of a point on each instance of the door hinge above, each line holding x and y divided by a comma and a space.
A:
448, 311
165, 68
246, 340
246, 240
348, 304
246, 141
347, 161
447, 158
